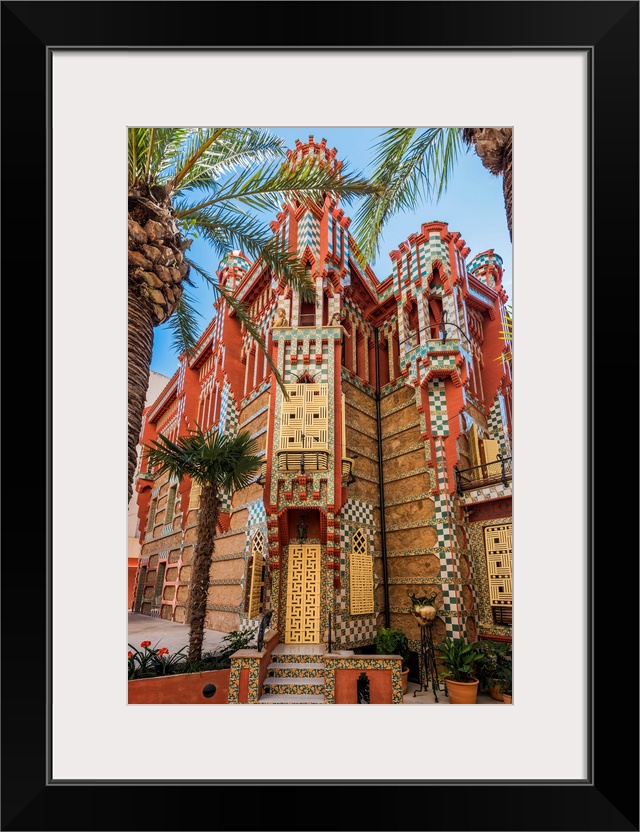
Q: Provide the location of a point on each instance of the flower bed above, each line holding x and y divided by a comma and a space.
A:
157, 676
208, 688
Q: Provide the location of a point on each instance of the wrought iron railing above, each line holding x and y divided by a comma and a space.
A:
491, 472
303, 460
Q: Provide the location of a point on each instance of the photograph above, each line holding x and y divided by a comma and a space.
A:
324, 464
354, 375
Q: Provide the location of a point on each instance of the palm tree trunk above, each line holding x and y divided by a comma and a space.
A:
140, 348
207, 524
506, 184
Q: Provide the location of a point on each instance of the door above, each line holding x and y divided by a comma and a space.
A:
303, 595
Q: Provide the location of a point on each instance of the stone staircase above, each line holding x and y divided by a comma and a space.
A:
295, 676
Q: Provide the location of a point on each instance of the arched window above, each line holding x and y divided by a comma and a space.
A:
360, 575
256, 572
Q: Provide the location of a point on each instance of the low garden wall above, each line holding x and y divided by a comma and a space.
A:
342, 673
181, 689
249, 670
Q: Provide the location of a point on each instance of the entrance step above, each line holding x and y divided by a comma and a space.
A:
290, 699
302, 685
295, 675
295, 669
305, 650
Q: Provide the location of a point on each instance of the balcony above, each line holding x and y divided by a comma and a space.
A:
488, 474
303, 460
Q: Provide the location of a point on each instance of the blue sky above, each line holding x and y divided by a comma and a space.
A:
473, 205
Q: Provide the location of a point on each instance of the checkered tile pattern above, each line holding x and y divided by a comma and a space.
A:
311, 346
309, 234
358, 629
496, 424
354, 630
445, 536
229, 425
449, 597
455, 627
482, 265
434, 249
438, 407
257, 513
357, 512
403, 269
489, 492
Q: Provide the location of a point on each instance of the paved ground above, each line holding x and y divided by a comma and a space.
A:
174, 636
166, 633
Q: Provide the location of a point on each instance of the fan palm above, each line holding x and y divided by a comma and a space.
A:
412, 165
219, 464
211, 183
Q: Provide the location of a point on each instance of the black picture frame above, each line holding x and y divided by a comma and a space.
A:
608, 799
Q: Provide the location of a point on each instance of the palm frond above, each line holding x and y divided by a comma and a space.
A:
242, 312
196, 148
152, 152
411, 166
236, 148
226, 228
183, 326
268, 186
210, 458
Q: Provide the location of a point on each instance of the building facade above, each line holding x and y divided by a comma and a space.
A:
387, 464
156, 383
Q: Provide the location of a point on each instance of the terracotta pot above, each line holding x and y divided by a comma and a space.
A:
495, 692
462, 693
405, 679
506, 697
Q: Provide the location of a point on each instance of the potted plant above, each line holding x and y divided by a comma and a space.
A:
505, 682
392, 642
458, 660
495, 659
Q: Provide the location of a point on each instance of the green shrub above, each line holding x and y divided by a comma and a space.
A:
392, 642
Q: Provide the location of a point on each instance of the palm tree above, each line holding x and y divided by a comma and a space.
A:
412, 165
220, 464
188, 182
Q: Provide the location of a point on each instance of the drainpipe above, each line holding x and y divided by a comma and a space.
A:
383, 525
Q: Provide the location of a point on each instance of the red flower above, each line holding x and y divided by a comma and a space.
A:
145, 643
163, 651
129, 654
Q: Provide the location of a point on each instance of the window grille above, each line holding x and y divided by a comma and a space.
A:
360, 575
256, 592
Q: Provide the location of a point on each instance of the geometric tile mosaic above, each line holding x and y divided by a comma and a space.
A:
496, 426
356, 519
309, 234
438, 405
257, 513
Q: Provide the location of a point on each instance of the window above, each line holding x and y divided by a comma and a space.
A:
141, 579
307, 314
157, 598
304, 428
498, 547
360, 575
152, 514
171, 505
256, 586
